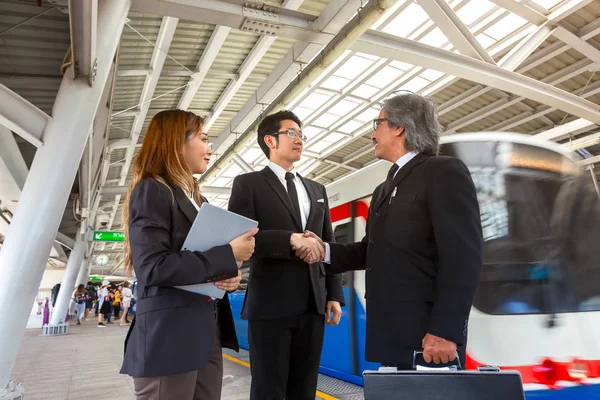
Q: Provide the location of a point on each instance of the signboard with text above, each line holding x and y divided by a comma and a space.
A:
103, 236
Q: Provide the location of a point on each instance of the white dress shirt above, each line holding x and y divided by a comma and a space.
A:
401, 162
193, 201
303, 199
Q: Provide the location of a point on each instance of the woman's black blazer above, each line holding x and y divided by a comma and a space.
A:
173, 330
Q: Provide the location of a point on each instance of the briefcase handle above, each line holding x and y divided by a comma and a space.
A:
417, 352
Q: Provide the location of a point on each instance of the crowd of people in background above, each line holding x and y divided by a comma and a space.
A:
107, 300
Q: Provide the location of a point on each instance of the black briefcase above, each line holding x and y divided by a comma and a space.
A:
488, 383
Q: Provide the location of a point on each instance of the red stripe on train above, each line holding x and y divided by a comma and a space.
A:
342, 212
549, 372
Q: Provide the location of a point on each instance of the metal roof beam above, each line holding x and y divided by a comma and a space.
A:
256, 78
83, 19
566, 8
286, 23
455, 30
22, 117
459, 100
261, 47
518, 54
216, 41
564, 131
163, 43
578, 44
337, 13
384, 45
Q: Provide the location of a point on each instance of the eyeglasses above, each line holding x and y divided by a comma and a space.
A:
293, 134
378, 121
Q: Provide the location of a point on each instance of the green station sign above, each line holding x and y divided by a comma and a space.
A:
103, 236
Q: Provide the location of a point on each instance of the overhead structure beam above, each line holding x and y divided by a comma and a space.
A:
282, 22
163, 43
384, 45
239, 160
522, 11
256, 78
258, 51
566, 8
336, 14
83, 19
455, 30
578, 44
518, 54
262, 45
22, 117
216, 41
564, 131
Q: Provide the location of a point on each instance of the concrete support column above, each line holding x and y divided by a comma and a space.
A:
84, 272
74, 265
25, 251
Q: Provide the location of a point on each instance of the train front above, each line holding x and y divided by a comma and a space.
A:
537, 309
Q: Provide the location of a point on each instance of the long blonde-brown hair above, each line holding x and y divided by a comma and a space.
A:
160, 158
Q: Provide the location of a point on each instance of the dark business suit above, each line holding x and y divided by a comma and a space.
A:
423, 256
286, 298
174, 330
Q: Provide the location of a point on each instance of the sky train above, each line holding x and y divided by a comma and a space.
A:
537, 308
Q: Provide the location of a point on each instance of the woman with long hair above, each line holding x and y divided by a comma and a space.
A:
173, 349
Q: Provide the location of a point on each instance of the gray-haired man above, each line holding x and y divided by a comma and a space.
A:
423, 246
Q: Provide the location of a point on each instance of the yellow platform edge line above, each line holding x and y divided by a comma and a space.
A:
322, 395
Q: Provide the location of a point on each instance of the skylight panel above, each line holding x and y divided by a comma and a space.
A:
319, 146
368, 115
368, 56
485, 40
350, 126
407, 21
335, 83
353, 67
431, 75
474, 10
232, 171
366, 91
311, 131
434, 38
415, 84
326, 120
221, 182
252, 154
505, 26
342, 108
401, 65
302, 112
315, 100
385, 77
335, 137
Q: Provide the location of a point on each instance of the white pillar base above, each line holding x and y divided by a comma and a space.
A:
54, 330
13, 391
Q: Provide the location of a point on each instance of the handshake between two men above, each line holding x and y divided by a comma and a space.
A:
308, 247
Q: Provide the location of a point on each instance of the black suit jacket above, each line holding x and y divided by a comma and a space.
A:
279, 285
173, 329
423, 257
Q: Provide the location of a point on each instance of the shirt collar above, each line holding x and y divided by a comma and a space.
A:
402, 161
280, 171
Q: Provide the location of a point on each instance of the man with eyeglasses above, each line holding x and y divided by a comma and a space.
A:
423, 246
288, 299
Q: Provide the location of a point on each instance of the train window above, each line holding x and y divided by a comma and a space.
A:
528, 266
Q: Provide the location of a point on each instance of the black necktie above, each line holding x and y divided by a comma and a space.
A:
390, 178
291, 189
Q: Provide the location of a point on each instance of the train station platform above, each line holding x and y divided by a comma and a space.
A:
85, 363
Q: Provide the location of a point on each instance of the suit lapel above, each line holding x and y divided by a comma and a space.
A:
275, 183
402, 173
185, 204
313, 196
